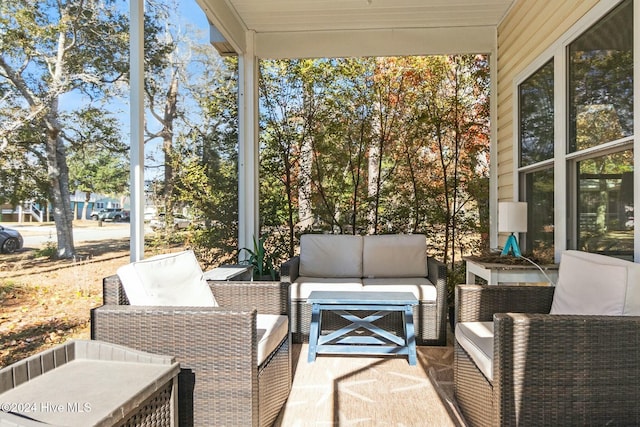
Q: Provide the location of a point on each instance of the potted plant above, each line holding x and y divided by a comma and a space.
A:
261, 261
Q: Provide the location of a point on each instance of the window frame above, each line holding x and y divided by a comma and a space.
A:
564, 162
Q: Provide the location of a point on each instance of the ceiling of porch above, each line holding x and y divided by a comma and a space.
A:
300, 28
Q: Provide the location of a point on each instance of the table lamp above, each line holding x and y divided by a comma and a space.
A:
512, 218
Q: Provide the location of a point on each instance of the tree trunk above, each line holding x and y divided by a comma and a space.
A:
373, 186
58, 174
58, 171
305, 211
170, 112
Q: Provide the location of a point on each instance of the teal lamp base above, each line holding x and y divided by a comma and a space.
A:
511, 245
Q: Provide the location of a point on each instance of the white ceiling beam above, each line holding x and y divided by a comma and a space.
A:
226, 22
389, 42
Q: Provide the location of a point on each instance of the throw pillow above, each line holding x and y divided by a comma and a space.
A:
588, 287
169, 280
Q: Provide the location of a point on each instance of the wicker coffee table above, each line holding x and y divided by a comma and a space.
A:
90, 383
346, 340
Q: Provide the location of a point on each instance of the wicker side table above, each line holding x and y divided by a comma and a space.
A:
90, 383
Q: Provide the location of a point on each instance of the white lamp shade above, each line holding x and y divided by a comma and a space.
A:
512, 217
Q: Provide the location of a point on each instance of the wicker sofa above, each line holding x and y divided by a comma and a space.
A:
535, 368
367, 263
222, 381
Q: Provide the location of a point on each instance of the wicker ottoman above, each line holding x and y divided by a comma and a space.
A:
90, 383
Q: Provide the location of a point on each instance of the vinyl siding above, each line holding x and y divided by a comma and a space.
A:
529, 29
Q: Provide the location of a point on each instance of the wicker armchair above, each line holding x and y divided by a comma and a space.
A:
547, 369
220, 382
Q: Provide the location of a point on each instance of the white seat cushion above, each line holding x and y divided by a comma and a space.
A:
590, 284
271, 329
169, 280
303, 286
394, 255
330, 255
421, 287
477, 340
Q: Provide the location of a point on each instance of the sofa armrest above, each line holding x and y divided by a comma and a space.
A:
540, 360
267, 297
216, 334
113, 292
216, 348
289, 270
478, 303
437, 274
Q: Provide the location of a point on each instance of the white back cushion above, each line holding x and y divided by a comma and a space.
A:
172, 279
330, 255
590, 284
395, 255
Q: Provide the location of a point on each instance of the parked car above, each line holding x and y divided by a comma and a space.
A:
113, 214
180, 222
10, 240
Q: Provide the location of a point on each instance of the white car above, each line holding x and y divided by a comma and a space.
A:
180, 222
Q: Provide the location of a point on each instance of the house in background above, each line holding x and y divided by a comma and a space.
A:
31, 211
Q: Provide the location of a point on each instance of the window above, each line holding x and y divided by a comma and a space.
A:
538, 192
597, 162
604, 205
600, 65
601, 81
536, 137
536, 116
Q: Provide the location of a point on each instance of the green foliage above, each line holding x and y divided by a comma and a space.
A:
214, 246
258, 258
264, 262
98, 161
377, 145
49, 250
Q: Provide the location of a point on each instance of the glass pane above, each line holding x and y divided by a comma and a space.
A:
536, 116
539, 194
605, 204
601, 81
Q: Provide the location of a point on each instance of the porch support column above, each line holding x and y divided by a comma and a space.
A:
493, 145
136, 104
636, 126
248, 194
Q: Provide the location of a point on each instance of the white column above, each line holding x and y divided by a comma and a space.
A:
636, 130
136, 101
493, 146
561, 182
248, 150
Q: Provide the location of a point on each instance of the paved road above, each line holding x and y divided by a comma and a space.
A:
36, 236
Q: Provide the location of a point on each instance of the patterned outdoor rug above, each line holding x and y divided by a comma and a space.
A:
371, 391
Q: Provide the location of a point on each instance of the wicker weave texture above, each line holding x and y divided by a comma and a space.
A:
550, 369
220, 383
153, 405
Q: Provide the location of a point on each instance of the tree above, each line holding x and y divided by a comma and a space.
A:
51, 49
395, 145
98, 161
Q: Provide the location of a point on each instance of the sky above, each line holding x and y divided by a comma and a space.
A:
189, 14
